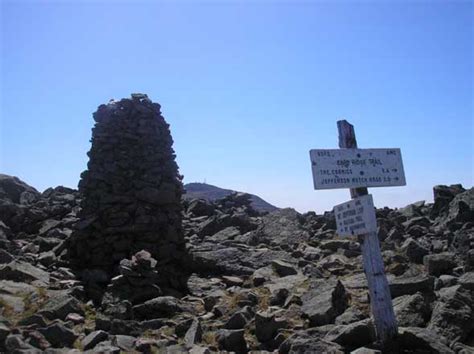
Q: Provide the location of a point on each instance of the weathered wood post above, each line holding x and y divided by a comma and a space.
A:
380, 298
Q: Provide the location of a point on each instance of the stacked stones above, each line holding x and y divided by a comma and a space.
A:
138, 282
131, 190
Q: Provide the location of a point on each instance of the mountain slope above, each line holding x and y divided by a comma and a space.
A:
211, 193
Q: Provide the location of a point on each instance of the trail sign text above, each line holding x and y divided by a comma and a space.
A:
355, 168
356, 217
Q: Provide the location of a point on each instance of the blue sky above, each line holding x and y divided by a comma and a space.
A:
248, 87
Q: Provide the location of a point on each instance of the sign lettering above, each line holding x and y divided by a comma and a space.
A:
356, 168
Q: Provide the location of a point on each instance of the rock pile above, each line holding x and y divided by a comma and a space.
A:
138, 282
131, 190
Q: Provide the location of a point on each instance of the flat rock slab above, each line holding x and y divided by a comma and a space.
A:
24, 272
164, 306
411, 285
425, 340
60, 305
94, 338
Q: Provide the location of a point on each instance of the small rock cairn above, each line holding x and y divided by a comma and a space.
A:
131, 190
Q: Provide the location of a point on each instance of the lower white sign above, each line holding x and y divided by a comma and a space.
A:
356, 217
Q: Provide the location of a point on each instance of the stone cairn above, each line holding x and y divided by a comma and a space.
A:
131, 190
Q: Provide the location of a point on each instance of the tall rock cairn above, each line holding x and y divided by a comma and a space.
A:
131, 192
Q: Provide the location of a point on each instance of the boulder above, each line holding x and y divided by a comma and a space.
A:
17, 191
282, 227
467, 281
4, 332
324, 301
5, 257
414, 251
200, 207
231, 340
283, 269
24, 272
353, 335
453, 314
410, 285
124, 342
163, 306
442, 196
94, 338
415, 339
60, 305
365, 350
58, 335
352, 314
411, 310
239, 319
437, 264
309, 342
193, 334
15, 343
267, 326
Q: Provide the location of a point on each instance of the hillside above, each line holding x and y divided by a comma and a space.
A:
212, 193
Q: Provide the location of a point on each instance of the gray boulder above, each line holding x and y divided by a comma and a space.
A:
4, 332
467, 281
267, 326
442, 196
163, 306
283, 269
282, 227
414, 251
15, 343
324, 301
309, 341
58, 335
410, 285
415, 339
24, 272
352, 314
453, 315
411, 310
461, 208
5, 257
94, 338
193, 334
17, 191
124, 342
239, 319
60, 305
437, 264
231, 340
353, 335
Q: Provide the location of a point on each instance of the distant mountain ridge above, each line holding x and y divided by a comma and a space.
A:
211, 193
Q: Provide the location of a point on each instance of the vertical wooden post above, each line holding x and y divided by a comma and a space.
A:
380, 298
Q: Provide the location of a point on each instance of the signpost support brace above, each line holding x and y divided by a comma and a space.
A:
380, 298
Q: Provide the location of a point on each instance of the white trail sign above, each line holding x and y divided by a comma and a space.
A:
355, 168
356, 217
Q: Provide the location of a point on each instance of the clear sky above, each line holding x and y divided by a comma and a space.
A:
248, 87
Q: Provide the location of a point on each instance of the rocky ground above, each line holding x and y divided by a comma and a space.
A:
281, 281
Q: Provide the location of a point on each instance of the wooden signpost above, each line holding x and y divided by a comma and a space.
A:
358, 169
